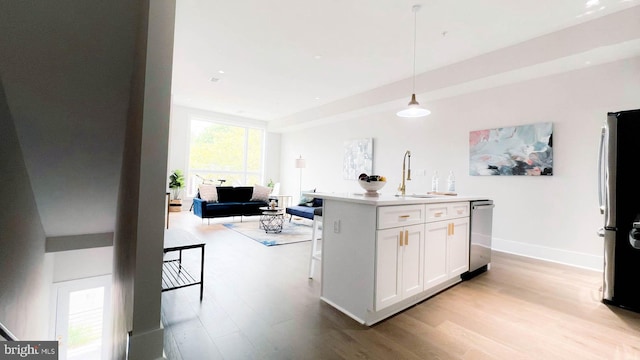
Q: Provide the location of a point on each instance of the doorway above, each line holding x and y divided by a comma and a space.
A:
82, 318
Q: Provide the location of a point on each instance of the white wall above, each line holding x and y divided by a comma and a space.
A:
84, 263
554, 218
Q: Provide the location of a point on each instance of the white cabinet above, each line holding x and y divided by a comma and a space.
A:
382, 255
444, 211
446, 242
399, 264
395, 216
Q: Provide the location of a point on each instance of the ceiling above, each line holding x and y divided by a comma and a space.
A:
271, 60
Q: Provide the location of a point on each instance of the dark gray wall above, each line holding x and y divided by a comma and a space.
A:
25, 270
66, 67
141, 200
78, 86
127, 211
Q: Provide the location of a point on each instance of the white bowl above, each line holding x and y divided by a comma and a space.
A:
372, 187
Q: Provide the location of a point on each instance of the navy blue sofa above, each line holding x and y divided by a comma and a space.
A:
307, 210
232, 201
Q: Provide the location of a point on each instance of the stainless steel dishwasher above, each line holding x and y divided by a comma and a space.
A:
480, 237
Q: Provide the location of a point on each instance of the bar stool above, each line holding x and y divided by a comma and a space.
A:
316, 252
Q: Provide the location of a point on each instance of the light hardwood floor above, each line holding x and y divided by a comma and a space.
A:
259, 304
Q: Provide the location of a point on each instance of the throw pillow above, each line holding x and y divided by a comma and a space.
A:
260, 193
208, 193
306, 200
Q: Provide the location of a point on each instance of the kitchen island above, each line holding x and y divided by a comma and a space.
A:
383, 254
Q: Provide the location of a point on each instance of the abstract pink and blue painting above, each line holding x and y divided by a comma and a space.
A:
515, 150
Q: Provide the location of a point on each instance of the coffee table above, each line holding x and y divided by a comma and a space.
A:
272, 219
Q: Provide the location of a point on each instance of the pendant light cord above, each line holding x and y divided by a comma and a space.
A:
415, 31
414, 110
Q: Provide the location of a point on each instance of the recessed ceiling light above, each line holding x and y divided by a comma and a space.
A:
317, 98
220, 71
317, 57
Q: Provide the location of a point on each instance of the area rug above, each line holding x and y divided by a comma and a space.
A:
291, 233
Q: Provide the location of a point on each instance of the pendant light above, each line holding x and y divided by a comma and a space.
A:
414, 109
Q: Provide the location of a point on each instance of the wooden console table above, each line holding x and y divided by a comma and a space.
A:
174, 275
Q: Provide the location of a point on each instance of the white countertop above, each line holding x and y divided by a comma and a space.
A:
384, 199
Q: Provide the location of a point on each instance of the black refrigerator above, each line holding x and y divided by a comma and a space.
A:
619, 193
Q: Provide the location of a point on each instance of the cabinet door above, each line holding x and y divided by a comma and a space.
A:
412, 252
435, 253
458, 247
388, 271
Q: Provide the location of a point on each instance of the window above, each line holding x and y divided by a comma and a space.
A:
220, 151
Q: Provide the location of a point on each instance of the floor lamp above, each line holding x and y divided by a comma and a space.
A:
300, 164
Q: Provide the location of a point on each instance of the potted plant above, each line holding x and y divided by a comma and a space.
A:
176, 184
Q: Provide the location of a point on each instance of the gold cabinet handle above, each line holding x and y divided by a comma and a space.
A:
460, 211
451, 229
404, 216
437, 214
406, 237
400, 238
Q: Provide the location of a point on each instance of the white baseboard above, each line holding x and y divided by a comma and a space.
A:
572, 258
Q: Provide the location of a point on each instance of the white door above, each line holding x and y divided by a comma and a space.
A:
82, 324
